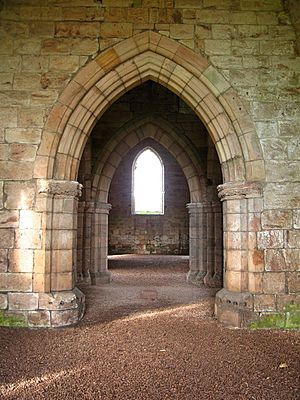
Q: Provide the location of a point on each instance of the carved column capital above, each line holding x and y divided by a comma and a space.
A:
59, 187
102, 208
194, 208
239, 190
89, 207
81, 206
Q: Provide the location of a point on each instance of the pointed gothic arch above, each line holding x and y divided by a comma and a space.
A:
133, 133
127, 64
101, 82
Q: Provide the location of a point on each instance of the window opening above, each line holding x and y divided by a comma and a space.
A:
148, 183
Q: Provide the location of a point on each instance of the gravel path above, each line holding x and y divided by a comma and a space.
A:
149, 335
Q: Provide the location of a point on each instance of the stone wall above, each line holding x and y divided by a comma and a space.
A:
152, 234
252, 53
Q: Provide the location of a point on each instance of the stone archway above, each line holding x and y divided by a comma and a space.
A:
113, 152
129, 63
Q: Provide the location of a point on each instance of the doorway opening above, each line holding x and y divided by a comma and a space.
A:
149, 120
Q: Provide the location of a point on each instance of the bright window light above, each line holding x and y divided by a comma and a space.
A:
148, 183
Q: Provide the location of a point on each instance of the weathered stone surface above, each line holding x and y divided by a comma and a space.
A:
72, 29
181, 31
3, 301
294, 282
11, 282
264, 303
28, 239
274, 282
249, 45
276, 219
20, 260
64, 318
22, 152
282, 259
7, 238
39, 318
19, 195
112, 30
22, 301
9, 219
3, 260
66, 188
282, 195
293, 239
22, 135
272, 239
296, 219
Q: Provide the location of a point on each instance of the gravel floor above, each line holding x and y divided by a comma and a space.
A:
149, 335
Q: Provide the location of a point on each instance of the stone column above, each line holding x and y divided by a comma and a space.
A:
60, 303
99, 272
89, 213
80, 224
197, 242
218, 244
234, 303
210, 248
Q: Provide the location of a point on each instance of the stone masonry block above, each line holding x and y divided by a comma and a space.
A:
3, 301
11, 282
22, 301
39, 318
30, 219
3, 260
296, 219
57, 301
23, 135
22, 152
284, 300
264, 302
274, 282
282, 259
11, 170
293, 239
64, 317
74, 29
1, 195
276, 219
272, 239
20, 260
7, 238
28, 239
115, 30
9, 219
181, 31
294, 282
19, 195
255, 282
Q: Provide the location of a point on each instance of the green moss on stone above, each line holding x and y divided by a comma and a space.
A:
288, 319
15, 321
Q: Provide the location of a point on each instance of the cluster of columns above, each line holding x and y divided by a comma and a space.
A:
205, 243
92, 244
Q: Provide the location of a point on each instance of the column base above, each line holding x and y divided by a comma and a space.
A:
45, 310
192, 276
100, 277
234, 309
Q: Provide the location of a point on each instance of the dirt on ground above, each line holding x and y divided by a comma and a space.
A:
149, 335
